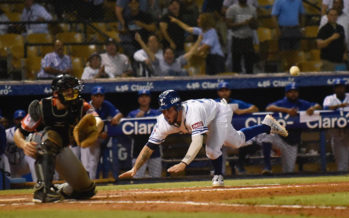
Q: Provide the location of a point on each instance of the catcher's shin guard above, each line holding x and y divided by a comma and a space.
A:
45, 164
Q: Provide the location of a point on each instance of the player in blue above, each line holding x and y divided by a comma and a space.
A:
106, 111
154, 164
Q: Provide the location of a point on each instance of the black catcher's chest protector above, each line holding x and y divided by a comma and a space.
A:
62, 121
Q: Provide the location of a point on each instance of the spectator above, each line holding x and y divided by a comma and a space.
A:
115, 64
55, 63
154, 164
339, 101
331, 41
121, 9
190, 12
168, 65
136, 21
287, 16
342, 19
4, 163
3, 18
94, 69
288, 146
142, 58
242, 19
91, 10
107, 111
212, 6
210, 46
327, 4
20, 164
172, 33
35, 12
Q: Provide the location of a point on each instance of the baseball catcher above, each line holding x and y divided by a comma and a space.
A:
51, 125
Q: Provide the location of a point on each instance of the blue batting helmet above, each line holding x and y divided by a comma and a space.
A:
169, 98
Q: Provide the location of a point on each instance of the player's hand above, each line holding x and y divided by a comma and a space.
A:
177, 168
128, 174
292, 112
29, 149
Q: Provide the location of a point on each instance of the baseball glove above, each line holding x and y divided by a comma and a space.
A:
85, 132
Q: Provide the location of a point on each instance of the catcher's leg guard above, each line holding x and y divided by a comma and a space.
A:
45, 167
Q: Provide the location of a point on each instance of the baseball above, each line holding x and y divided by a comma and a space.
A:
294, 71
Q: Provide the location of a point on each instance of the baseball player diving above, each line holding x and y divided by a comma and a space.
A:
200, 117
51, 125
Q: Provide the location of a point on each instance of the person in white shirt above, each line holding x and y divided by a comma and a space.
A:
339, 137
35, 12
115, 64
143, 58
94, 69
200, 117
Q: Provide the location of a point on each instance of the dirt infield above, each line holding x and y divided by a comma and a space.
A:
203, 199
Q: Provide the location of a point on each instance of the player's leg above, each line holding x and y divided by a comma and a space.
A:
340, 151
50, 144
214, 143
79, 185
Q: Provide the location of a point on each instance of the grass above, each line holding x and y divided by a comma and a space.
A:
331, 199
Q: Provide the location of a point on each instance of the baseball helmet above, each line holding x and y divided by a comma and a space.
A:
63, 82
339, 81
19, 114
168, 99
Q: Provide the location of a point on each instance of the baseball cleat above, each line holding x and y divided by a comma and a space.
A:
218, 181
275, 127
46, 196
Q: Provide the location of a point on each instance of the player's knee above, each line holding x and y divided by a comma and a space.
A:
84, 193
51, 143
211, 154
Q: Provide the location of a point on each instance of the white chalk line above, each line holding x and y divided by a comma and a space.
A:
192, 203
149, 191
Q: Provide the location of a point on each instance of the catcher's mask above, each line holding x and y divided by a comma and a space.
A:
64, 82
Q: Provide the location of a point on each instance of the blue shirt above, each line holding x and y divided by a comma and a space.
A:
241, 104
55, 61
140, 140
211, 39
288, 11
107, 110
294, 136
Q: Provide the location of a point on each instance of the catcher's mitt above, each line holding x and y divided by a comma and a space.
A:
85, 132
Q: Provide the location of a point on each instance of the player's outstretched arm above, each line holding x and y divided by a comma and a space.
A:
193, 150
141, 159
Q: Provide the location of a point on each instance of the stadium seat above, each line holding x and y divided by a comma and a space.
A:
67, 37
264, 34
290, 58
18, 7
14, 16
7, 8
314, 54
41, 38
78, 66
311, 31
32, 67
111, 34
310, 66
11, 39
267, 22
83, 51
32, 51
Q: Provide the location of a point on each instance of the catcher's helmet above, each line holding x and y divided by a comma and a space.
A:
169, 98
63, 82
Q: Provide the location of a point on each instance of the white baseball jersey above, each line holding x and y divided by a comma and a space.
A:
332, 100
197, 115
